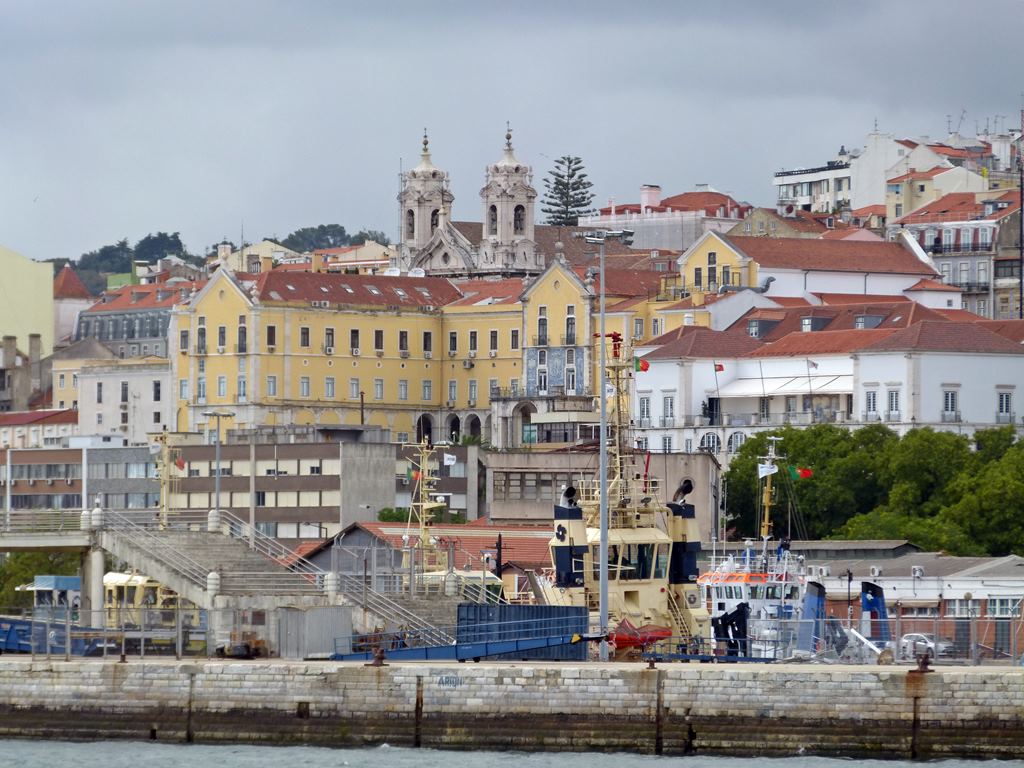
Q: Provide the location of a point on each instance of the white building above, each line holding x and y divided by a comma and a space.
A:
131, 398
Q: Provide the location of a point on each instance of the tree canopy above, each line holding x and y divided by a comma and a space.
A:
329, 236
567, 195
933, 488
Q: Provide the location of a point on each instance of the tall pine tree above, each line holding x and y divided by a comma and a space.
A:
568, 194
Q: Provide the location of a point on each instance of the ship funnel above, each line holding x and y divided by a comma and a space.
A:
568, 497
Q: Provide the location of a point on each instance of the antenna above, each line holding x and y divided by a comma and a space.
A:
963, 114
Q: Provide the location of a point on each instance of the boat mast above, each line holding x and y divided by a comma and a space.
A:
766, 497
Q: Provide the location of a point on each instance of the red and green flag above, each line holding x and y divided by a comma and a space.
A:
719, 367
639, 364
800, 473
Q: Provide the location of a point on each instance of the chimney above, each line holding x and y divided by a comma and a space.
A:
650, 196
10, 352
317, 262
223, 251
35, 349
266, 263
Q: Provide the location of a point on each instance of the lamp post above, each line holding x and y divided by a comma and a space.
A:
624, 236
218, 415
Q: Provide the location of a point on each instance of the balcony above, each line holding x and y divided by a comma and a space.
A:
540, 341
200, 349
870, 416
960, 248
950, 417
892, 415
644, 423
667, 422
241, 349
569, 340
1006, 418
969, 286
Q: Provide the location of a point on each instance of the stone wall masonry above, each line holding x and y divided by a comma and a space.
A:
674, 709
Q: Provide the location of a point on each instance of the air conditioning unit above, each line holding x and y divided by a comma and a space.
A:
379, 352
68, 481
493, 353
472, 403
467, 364
451, 403
427, 354
220, 350
3, 482
355, 351
472, 353
917, 571
271, 348
328, 350
49, 481
31, 481
403, 353
876, 571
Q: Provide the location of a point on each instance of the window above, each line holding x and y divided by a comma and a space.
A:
542, 357
753, 328
304, 386
156, 391
329, 387
712, 277
655, 328
410, 225
806, 324
871, 401
329, 338
668, 406
183, 389
638, 327
514, 339
493, 341
698, 277
899, 210
201, 340
735, 442
272, 386
453, 342
241, 389
124, 391
645, 408
201, 389
74, 380
542, 326
542, 380
304, 336
271, 335
353, 389
709, 441
124, 417
982, 307
403, 389
435, 218
764, 407
472, 390
666, 443
378, 389
183, 340
428, 341
378, 340
894, 400
403, 341
243, 339
222, 386
472, 341
353, 338
428, 390
1005, 403
950, 401
492, 220
1003, 606
222, 335
519, 220
570, 325
982, 268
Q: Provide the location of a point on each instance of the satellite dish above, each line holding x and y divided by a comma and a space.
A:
154, 448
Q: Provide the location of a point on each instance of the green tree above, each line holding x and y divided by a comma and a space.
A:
363, 235
989, 505
22, 567
109, 258
154, 247
567, 195
316, 238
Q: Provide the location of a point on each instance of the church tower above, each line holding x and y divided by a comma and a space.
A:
507, 243
424, 201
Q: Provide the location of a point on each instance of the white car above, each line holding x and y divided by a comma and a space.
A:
916, 643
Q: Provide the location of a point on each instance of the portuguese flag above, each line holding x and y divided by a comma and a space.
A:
639, 364
800, 473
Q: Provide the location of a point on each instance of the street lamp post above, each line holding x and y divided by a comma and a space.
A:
218, 415
625, 236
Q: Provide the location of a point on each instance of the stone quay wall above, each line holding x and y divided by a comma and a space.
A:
674, 709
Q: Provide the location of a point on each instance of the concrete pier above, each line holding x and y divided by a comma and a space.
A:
674, 709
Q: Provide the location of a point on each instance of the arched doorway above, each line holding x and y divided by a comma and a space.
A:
453, 429
523, 431
425, 429
473, 428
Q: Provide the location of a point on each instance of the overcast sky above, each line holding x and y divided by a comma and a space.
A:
122, 118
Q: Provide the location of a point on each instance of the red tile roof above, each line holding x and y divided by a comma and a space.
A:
931, 173
868, 210
355, 290
1009, 329
480, 292
696, 341
893, 314
947, 336
956, 206
801, 221
67, 285
626, 282
931, 285
822, 342
829, 255
23, 418
526, 545
154, 296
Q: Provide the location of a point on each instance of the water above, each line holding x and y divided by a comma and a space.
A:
126, 754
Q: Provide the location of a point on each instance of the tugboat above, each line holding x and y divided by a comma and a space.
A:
652, 546
755, 599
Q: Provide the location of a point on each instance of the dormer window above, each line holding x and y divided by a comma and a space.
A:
806, 324
753, 329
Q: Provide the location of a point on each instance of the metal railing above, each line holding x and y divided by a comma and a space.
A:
152, 543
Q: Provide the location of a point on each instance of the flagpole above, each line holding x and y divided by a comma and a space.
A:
810, 389
718, 393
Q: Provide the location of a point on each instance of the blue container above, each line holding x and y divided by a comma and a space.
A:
482, 622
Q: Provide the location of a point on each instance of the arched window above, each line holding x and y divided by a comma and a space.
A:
492, 220
434, 218
710, 442
735, 442
519, 220
410, 224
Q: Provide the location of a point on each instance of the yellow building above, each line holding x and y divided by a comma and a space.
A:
308, 348
27, 305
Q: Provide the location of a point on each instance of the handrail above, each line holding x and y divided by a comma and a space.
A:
151, 543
